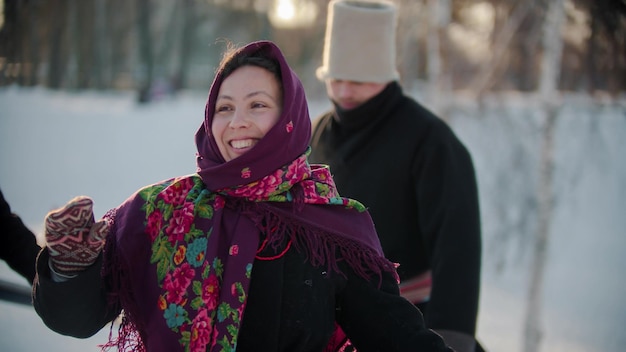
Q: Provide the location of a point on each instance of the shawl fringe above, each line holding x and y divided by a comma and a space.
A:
321, 247
129, 336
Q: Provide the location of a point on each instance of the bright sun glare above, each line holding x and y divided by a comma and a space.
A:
292, 13
285, 10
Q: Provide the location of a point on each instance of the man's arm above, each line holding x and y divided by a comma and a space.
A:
450, 218
19, 245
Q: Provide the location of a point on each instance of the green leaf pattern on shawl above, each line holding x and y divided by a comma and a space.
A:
190, 281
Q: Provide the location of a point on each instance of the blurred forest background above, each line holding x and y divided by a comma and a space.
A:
534, 87
451, 45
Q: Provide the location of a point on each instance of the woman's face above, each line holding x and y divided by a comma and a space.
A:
248, 105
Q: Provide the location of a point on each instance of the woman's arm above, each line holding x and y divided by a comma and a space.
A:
379, 319
76, 307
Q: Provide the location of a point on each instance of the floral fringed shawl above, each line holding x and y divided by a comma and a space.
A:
202, 264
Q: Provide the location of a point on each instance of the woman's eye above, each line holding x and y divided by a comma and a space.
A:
223, 108
258, 105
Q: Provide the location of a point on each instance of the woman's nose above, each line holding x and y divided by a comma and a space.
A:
239, 119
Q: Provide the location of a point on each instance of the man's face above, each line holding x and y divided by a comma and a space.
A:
349, 94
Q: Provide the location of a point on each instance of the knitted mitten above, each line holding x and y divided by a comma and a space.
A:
73, 239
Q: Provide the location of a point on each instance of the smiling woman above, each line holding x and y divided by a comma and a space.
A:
248, 106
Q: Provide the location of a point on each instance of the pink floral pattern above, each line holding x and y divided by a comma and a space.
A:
201, 331
317, 183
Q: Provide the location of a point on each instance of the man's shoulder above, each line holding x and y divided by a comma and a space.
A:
409, 116
321, 120
322, 117
416, 113
413, 107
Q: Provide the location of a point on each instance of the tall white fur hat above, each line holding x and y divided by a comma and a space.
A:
360, 42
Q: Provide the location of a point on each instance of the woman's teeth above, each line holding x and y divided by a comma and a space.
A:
239, 144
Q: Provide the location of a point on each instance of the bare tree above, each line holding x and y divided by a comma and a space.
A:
84, 46
490, 70
145, 49
440, 12
548, 91
58, 48
188, 36
606, 51
100, 66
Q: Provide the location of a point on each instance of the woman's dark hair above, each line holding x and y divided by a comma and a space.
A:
235, 58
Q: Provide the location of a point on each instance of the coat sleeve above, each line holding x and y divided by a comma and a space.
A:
77, 307
449, 217
378, 319
19, 245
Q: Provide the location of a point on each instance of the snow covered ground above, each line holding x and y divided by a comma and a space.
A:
56, 145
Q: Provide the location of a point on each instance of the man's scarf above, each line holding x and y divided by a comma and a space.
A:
197, 236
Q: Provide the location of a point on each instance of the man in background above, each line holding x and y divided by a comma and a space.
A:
405, 164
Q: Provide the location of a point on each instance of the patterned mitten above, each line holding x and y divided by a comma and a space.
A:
73, 239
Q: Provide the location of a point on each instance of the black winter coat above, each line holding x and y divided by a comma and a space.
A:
418, 182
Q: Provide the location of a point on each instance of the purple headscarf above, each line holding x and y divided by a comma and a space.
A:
279, 146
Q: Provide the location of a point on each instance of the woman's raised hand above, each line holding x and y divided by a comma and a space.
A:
73, 238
